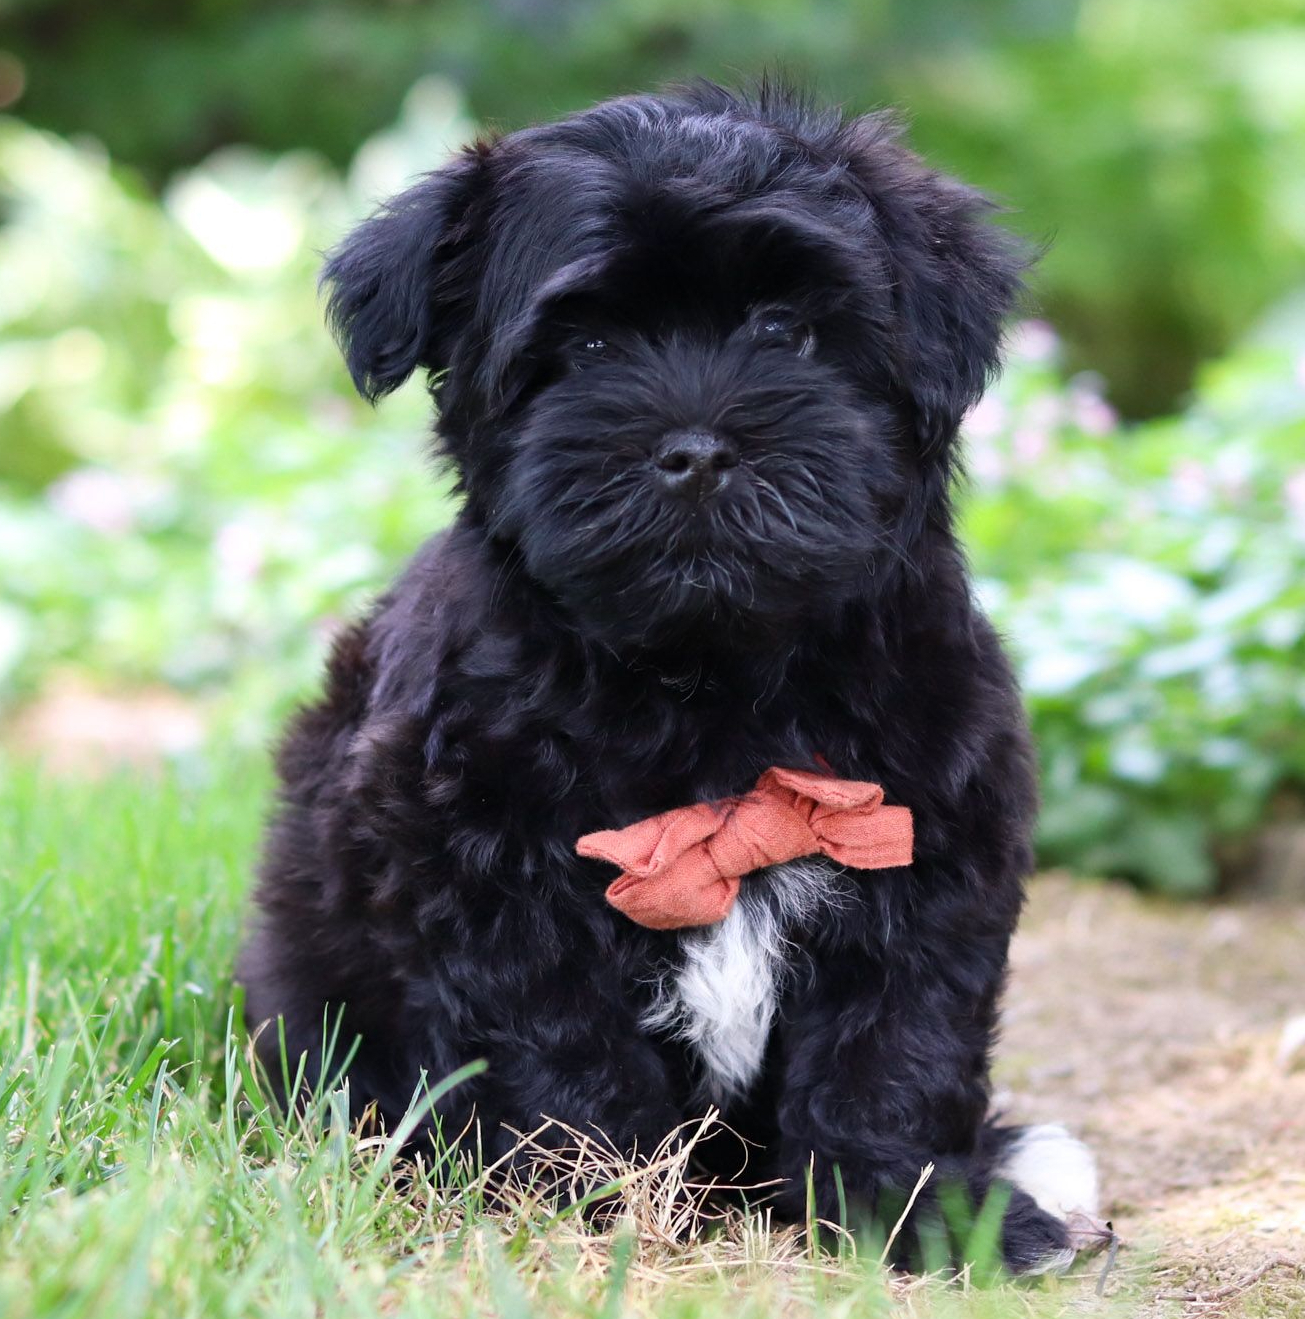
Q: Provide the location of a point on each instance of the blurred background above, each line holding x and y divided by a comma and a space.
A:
191, 498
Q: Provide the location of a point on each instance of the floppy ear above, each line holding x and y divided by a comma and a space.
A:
955, 278
403, 283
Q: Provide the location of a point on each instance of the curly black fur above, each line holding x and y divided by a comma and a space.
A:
580, 650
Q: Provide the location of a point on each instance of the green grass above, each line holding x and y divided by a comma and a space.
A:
142, 1173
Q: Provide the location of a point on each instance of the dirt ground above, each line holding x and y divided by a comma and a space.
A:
1154, 1031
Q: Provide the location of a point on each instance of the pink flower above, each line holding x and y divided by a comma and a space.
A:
986, 419
1192, 483
1034, 341
1030, 443
1294, 490
240, 551
1089, 412
102, 500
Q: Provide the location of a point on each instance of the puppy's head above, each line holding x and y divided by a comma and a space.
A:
700, 360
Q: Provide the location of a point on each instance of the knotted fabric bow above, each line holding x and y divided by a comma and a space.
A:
683, 867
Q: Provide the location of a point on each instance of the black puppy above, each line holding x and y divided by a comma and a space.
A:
700, 363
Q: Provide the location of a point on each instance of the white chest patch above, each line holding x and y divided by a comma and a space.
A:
724, 996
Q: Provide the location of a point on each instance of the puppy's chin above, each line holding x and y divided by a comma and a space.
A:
634, 575
698, 604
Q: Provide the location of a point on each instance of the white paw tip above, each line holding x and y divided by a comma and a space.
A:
1057, 1170
1059, 1261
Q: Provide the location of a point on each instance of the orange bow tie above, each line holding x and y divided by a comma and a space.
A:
683, 867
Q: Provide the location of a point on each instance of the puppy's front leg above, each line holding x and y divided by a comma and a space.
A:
885, 1065
548, 1006
602, 1083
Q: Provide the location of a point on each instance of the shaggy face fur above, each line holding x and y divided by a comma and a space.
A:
700, 363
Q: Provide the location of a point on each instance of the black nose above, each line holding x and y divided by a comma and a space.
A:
694, 464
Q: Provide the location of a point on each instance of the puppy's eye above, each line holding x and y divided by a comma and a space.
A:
589, 349
781, 329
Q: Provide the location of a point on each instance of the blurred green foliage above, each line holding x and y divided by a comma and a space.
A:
191, 495
1156, 146
188, 482
1151, 582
